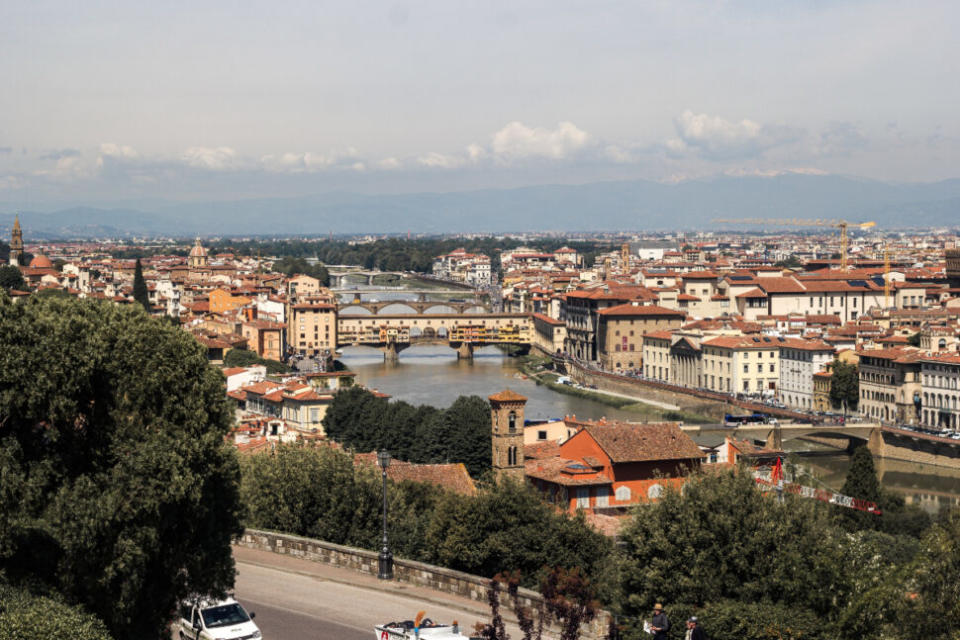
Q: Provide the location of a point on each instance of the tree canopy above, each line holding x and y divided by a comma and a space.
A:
25, 616
119, 492
247, 358
363, 421
12, 278
845, 385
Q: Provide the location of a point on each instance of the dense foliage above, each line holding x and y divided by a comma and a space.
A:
753, 567
399, 254
363, 421
24, 616
845, 385
247, 358
119, 492
291, 266
12, 278
316, 491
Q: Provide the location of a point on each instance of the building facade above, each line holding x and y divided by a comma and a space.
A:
800, 360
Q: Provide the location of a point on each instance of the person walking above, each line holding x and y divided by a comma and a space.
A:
694, 630
660, 624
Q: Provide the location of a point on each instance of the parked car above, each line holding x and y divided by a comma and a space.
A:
216, 620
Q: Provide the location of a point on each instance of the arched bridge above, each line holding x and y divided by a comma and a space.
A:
337, 278
422, 306
463, 332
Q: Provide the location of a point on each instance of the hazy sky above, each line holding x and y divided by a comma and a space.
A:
120, 101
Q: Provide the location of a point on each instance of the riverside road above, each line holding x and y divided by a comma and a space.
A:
297, 599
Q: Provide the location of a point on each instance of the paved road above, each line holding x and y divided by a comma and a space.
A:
300, 600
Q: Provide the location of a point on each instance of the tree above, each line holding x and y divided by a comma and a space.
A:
721, 539
25, 616
914, 339
248, 358
140, 292
933, 606
845, 385
11, 278
119, 491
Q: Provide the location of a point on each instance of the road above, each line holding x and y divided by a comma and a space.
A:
300, 600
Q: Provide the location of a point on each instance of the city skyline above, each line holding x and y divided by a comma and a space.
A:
132, 102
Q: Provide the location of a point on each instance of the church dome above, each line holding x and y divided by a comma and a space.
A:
41, 261
198, 251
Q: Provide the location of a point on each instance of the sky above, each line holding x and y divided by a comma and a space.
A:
128, 101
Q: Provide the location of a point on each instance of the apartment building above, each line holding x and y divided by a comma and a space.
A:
312, 327
741, 364
469, 268
621, 330
890, 385
940, 382
800, 360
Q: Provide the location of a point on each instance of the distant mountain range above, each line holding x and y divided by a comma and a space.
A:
600, 206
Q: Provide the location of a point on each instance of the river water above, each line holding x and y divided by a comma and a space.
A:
433, 375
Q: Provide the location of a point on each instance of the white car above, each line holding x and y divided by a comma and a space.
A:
217, 620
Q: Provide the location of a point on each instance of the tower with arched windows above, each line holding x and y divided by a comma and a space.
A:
506, 414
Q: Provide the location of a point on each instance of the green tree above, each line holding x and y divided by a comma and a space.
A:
293, 266
845, 385
914, 339
12, 278
861, 483
721, 539
119, 491
140, 292
933, 604
25, 616
247, 358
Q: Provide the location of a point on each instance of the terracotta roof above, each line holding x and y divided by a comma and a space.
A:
507, 396
659, 335
627, 310
628, 442
564, 471
546, 449
451, 476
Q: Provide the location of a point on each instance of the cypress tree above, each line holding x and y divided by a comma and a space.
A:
140, 293
862, 477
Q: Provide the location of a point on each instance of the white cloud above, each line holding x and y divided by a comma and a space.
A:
310, 161
389, 164
111, 150
434, 160
718, 138
12, 182
212, 158
516, 140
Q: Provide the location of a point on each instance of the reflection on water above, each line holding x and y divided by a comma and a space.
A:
433, 375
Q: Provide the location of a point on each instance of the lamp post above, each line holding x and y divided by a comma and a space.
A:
385, 571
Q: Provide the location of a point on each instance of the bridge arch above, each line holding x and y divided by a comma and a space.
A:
439, 308
355, 309
476, 309
397, 308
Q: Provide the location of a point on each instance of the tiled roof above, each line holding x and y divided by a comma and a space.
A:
507, 396
451, 476
628, 442
627, 310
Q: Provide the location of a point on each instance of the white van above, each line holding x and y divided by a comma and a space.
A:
216, 620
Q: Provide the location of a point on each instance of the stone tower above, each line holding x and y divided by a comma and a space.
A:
506, 412
16, 243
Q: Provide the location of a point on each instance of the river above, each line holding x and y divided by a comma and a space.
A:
433, 375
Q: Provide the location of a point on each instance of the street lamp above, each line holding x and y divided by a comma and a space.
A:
386, 558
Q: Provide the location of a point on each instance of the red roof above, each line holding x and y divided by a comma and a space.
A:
507, 396
630, 442
629, 310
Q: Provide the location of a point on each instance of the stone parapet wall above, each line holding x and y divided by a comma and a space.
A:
408, 571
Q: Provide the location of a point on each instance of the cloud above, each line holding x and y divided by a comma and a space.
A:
60, 153
212, 158
121, 151
389, 164
12, 182
516, 141
310, 162
841, 139
434, 160
717, 138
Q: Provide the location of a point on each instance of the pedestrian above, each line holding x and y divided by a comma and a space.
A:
660, 624
694, 630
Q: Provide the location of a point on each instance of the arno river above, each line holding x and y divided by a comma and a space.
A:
433, 375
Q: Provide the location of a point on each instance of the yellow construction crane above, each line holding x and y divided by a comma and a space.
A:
801, 222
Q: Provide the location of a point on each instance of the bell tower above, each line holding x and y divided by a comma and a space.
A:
506, 413
16, 243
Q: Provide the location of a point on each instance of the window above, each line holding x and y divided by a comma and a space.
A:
622, 494
541, 435
603, 496
512, 421
583, 497
771, 367
746, 368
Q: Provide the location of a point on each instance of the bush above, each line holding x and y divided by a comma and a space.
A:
24, 616
732, 620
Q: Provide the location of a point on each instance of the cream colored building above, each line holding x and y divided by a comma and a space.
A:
312, 327
741, 364
799, 361
890, 382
